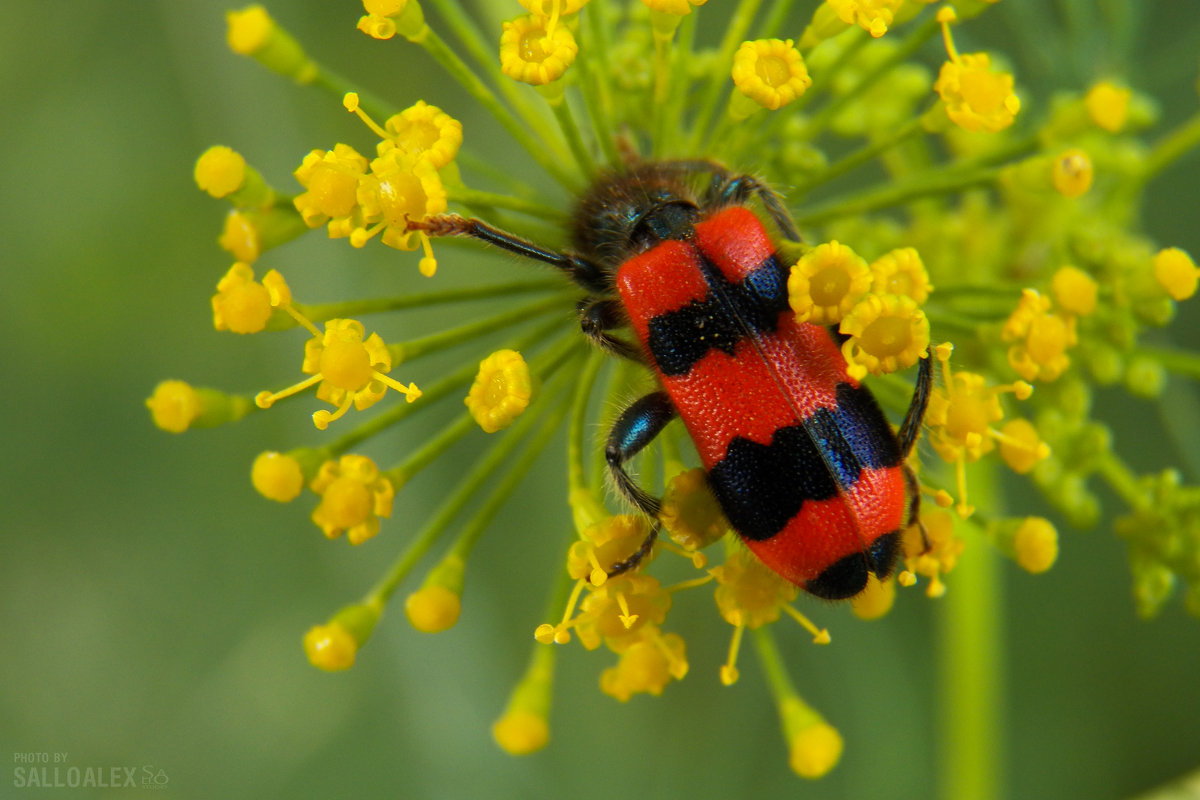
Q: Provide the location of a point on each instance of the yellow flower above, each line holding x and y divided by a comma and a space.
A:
419, 132
177, 406
334, 645
679, 8
615, 613
1040, 338
932, 549
345, 361
1072, 173
826, 283
395, 192
422, 131
887, 333
354, 495
174, 406
220, 171
814, 749
350, 371
277, 476
873, 16
330, 647
960, 414
524, 727
771, 72
386, 18
249, 29
1020, 445
1108, 105
432, 609
330, 179
876, 599
690, 513
605, 543
501, 391
521, 732
386, 8
748, 593
1036, 544
977, 97
241, 304
1074, 290
436, 606
646, 666
533, 54
901, 272
1176, 272
241, 237
252, 32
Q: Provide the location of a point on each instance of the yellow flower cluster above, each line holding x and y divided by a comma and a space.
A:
876, 306
359, 199
1025, 227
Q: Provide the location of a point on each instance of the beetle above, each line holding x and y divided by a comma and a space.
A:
799, 455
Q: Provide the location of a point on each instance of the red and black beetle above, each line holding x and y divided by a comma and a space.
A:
805, 465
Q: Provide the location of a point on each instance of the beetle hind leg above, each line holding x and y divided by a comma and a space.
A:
633, 430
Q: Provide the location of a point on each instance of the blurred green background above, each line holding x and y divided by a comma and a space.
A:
152, 604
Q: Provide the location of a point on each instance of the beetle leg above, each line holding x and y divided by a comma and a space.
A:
633, 430
914, 508
580, 270
908, 437
597, 316
728, 189
916, 409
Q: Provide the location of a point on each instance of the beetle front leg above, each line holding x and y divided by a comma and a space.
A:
633, 430
580, 270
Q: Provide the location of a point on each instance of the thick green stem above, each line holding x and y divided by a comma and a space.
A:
971, 652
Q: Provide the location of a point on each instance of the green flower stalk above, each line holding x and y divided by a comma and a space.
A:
944, 214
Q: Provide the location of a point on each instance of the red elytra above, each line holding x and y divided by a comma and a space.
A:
772, 380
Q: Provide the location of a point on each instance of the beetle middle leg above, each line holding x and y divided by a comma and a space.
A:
598, 316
